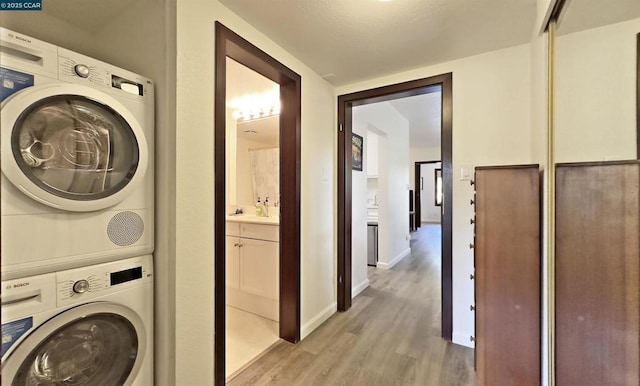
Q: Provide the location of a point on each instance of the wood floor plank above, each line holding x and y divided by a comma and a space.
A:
390, 336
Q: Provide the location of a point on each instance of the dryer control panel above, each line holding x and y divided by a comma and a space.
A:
103, 279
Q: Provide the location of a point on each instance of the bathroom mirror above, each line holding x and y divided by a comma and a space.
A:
596, 77
257, 161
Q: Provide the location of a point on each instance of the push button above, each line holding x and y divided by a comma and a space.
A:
81, 286
82, 70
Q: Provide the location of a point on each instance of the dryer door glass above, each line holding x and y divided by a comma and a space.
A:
97, 350
75, 147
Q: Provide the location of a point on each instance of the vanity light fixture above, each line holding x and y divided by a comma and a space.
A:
250, 115
256, 106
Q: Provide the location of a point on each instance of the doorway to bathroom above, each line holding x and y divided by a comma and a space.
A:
346, 104
252, 220
248, 153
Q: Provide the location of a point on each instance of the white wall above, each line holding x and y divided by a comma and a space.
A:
491, 126
393, 178
194, 167
359, 187
372, 156
595, 93
429, 211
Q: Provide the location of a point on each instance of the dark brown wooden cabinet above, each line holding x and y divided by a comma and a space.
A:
507, 275
597, 272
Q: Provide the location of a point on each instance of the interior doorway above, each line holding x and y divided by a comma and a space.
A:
427, 185
442, 83
229, 45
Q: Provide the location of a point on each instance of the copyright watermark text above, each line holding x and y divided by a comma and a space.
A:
16, 5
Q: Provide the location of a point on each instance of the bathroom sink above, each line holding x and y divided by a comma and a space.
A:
250, 218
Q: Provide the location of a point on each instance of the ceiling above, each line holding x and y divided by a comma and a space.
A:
423, 114
264, 130
351, 40
90, 15
578, 15
242, 81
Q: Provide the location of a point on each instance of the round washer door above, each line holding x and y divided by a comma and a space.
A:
71, 147
95, 344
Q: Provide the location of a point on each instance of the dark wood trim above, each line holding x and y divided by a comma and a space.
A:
435, 184
557, 12
232, 45
417, 205
346, 102
220, 292
446, 153
638, 96
596, 163
527, 166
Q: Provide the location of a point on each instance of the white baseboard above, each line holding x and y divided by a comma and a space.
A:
395, 261
359, 288
317, 320
462, 338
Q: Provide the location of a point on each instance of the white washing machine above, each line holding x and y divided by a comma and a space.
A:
76, 144
86, 326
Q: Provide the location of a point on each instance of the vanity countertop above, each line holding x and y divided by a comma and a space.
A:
248, 218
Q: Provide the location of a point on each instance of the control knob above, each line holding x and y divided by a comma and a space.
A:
81, 286
82, 70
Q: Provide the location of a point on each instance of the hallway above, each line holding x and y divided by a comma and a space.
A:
390, 336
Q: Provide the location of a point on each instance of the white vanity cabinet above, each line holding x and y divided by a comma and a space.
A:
252, 268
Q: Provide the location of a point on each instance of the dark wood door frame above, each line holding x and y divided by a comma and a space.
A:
230, 44
417, 205
386, 93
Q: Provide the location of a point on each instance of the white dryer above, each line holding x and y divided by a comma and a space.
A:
76, 143
87, 326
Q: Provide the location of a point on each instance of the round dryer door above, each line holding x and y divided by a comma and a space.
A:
71, 147
97, 344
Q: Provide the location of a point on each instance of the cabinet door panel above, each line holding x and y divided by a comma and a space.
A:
598, 274
232, 262
259, 264
507, 276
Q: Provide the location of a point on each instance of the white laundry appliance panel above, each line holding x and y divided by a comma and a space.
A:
93, 325
44, 228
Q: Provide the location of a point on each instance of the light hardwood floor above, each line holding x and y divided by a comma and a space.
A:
390, 336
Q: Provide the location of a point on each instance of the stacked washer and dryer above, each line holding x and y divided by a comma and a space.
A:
77, 201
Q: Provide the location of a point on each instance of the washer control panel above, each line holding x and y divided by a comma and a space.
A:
76, 68
98, 280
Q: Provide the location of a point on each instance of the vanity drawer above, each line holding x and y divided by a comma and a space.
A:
260, 232
232, 229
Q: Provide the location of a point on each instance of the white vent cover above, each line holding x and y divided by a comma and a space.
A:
125, 228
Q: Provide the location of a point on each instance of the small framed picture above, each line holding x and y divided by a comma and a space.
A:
356, 152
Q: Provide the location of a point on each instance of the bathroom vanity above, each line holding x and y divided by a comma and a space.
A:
252, 264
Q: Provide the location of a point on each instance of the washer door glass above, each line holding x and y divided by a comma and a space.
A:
75, 147
97, 350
